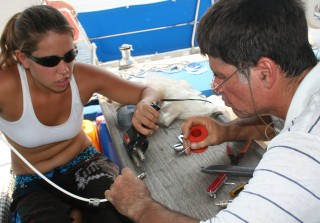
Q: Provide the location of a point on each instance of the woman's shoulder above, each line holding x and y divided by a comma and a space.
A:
88, 70
91, 75
9, 84
9, 76
9, 70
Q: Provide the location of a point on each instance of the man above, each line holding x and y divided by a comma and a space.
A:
263, 65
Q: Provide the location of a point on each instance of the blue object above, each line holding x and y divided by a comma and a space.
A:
160, 27
91, 112
106, 144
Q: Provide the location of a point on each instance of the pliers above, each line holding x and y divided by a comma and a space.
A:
235, 158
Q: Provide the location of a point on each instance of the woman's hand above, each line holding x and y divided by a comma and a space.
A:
145, 118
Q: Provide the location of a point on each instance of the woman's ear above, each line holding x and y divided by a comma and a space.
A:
21, 57
267, 72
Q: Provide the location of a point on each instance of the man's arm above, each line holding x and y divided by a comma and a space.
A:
157, 213
132, 198
220, 131
255, 128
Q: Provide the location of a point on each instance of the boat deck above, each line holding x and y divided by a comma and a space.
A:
176, 180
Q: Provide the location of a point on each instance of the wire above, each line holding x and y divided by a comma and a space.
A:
91, 201
185, 99
269, 125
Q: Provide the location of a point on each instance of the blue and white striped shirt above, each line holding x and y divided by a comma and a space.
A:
286, 184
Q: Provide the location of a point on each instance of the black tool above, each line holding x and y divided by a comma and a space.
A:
135, 143
229, 170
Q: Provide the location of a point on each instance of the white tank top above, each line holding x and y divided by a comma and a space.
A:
29, 132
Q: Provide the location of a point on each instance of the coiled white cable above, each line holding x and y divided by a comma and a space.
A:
92, 201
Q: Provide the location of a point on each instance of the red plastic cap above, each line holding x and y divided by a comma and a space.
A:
197, 134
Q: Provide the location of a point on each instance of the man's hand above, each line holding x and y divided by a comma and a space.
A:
216, 132
129, 195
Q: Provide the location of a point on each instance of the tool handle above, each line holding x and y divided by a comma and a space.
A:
237, 190
217, 184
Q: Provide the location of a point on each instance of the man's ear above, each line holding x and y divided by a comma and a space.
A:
267, 72
21, 57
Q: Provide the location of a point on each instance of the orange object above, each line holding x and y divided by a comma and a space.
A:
69, 12
197, 134
90, 129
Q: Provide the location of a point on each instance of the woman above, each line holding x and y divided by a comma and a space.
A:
42, 93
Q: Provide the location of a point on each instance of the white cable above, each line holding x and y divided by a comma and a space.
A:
91, 201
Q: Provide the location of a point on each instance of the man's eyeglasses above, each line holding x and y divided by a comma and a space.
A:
215, 87
52, 61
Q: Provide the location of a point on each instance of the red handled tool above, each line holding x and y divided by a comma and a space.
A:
217, 184
197, 134
235, 158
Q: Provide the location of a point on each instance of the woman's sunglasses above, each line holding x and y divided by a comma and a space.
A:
52, 61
